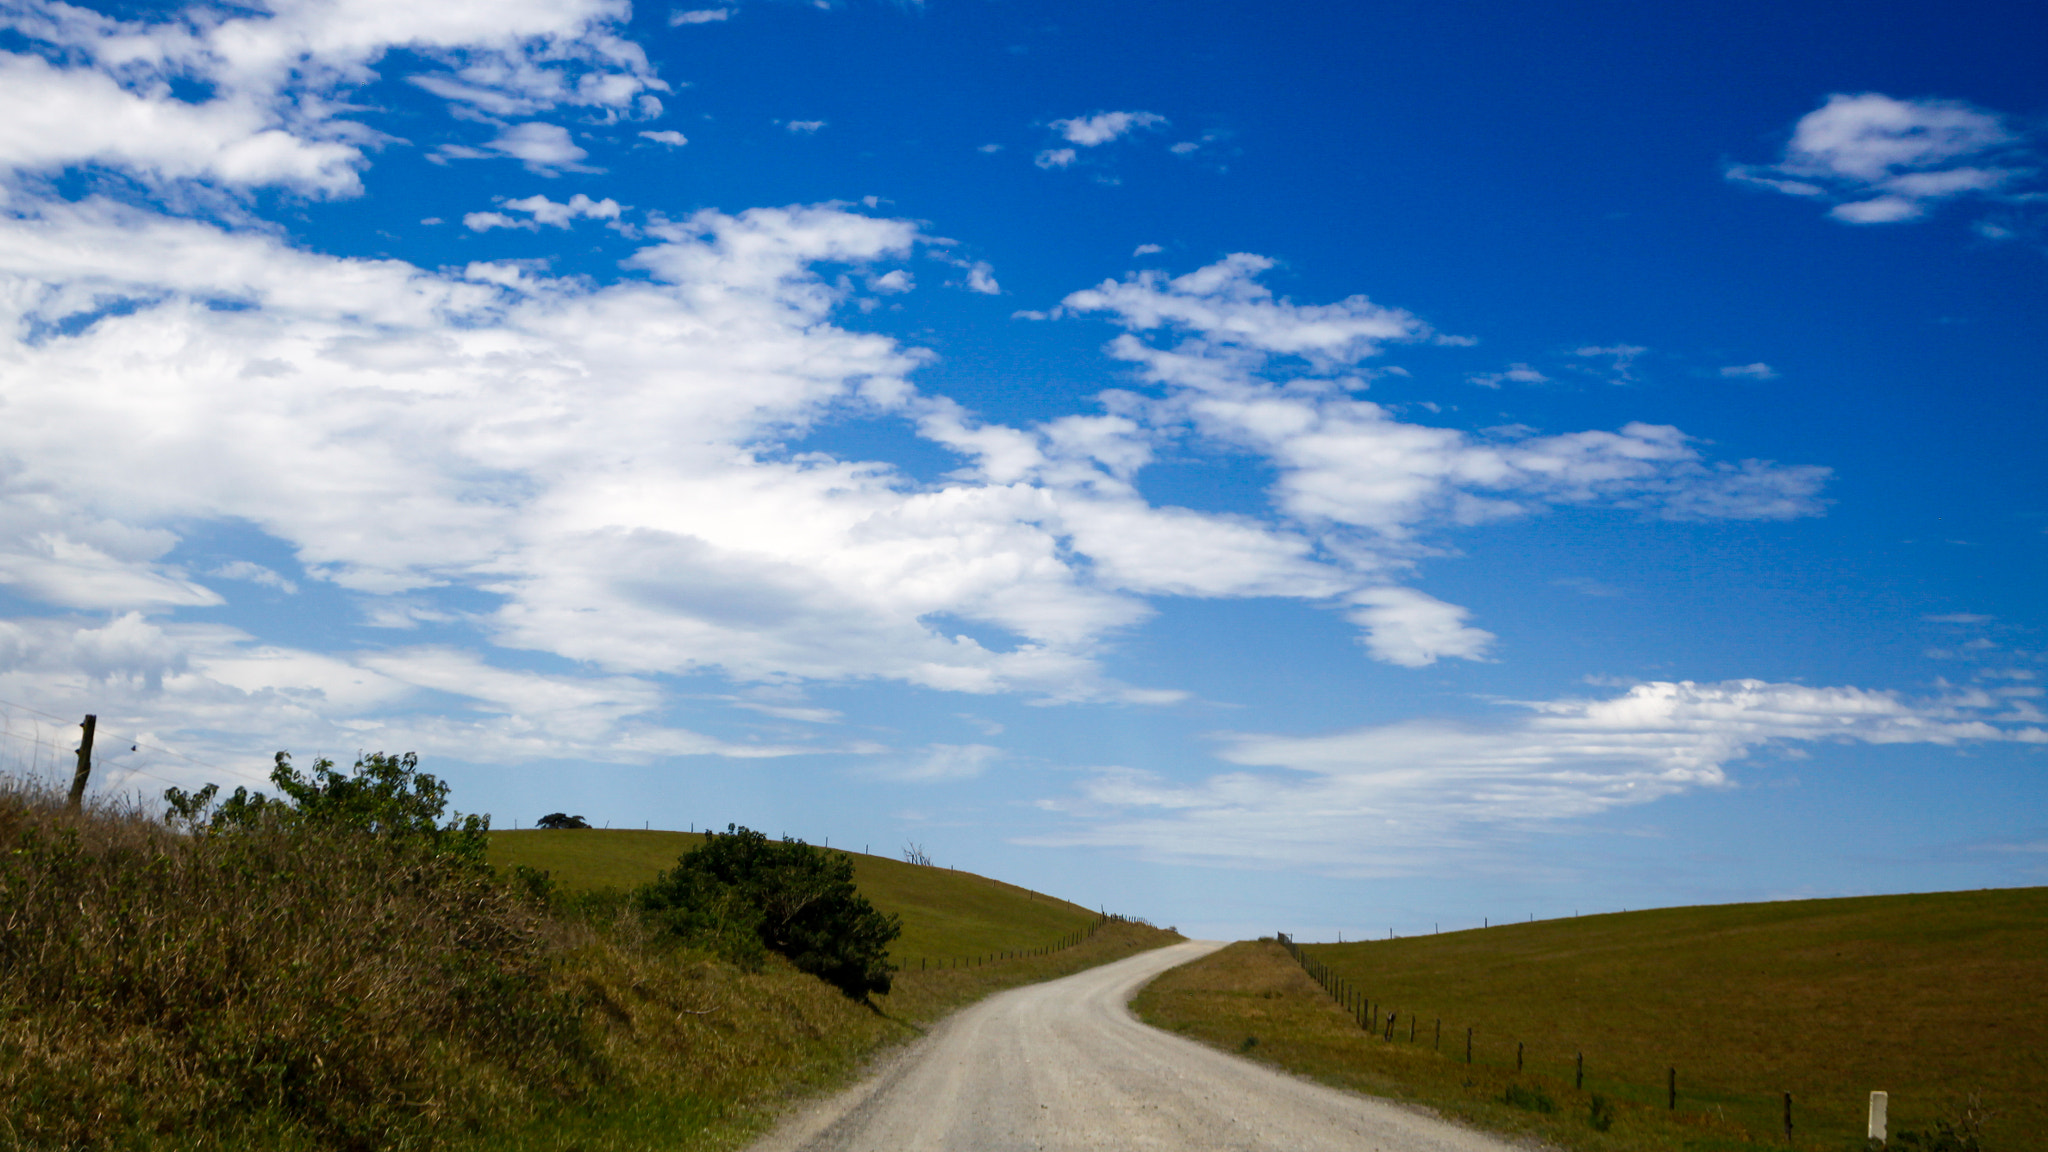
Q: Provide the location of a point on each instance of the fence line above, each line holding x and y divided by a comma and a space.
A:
1362, 1009
1069, 940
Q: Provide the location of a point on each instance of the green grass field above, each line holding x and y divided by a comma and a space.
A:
1933, 998
947, 915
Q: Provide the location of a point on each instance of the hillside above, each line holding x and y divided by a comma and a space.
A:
1932, 998
946, 914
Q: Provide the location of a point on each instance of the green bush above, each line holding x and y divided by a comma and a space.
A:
1600, 1114
1532, 1099
385, 796
745, 894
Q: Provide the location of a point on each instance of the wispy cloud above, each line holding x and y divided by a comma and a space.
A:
1402, 798
1756, 371
1880, 160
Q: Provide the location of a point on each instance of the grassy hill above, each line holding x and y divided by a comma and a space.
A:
1933, 998
946, 914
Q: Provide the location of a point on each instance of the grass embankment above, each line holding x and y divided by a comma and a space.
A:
301, 987
947, 915
1932, 998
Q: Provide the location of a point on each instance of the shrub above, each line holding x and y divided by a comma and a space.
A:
1532, 1099
1601, 1113
746, 894
383, 796
561, 820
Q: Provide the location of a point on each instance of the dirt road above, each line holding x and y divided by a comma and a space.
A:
1064, 1065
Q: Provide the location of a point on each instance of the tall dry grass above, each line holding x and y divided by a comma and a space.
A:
336, 989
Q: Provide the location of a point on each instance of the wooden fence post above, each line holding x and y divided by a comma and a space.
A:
1468, 1045
1518, 1055
1788, 1117
1672, 1098
1579, 1076
84, 762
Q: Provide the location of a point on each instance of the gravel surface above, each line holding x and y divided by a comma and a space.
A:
1064, 1065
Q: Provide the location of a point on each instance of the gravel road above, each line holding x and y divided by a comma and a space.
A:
1064, 1065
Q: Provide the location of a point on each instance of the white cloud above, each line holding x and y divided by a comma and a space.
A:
680, 17
1147, 250
1756, 371
1959, 618
1883, 160
1406, 627
539, 210
1349, 462
982, 278
942, 762
1513, 374
1414, 796
546, 149
201, 691
1054, 158
1621, 359
805, 127
669, 137
893, 281
277, 109
254, 574
1103, 127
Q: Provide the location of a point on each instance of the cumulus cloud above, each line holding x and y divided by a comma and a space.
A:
1881, 160
1393, 799
805, 127
539, 210
276, 112
982, 278
679, 18
1054, 158
1102, 127
669, 137
1412, 629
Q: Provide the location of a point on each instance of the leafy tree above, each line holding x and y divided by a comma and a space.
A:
561, 820
744, 893
385, 796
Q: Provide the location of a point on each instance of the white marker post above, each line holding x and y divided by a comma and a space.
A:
1878, 1101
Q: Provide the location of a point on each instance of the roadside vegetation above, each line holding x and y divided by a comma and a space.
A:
1931, 998
338, 967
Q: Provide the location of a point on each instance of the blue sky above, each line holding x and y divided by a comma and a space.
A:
1327, 467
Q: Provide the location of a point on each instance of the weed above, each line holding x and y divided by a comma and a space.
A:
1600, 1113
1250, 1042
1529, 1099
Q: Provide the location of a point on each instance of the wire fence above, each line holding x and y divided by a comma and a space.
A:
1753, 1112
982, 960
